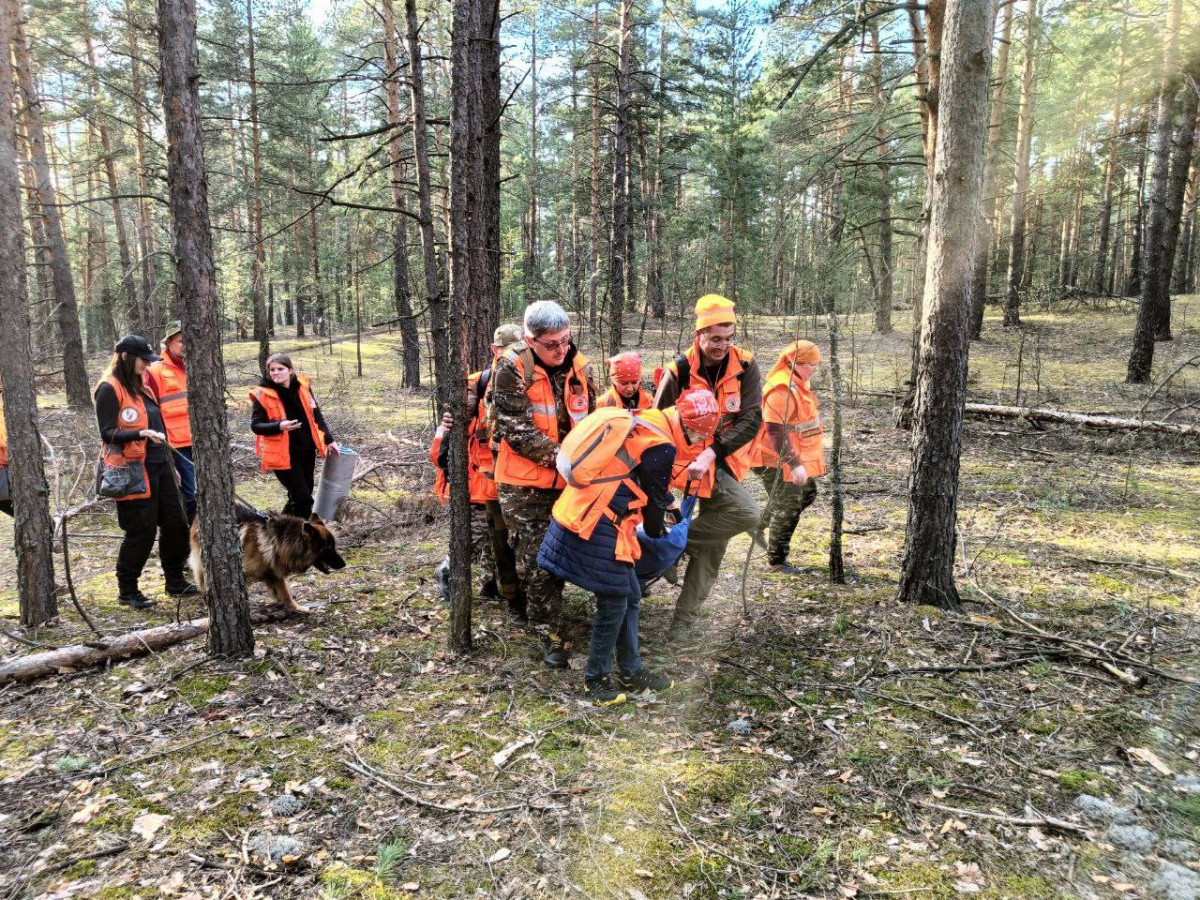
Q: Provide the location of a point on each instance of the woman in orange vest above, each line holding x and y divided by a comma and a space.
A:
787, 454
625, 375
290, 432
136, 471
167, 380
592, 539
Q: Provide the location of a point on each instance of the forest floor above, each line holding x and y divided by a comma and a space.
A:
824, 741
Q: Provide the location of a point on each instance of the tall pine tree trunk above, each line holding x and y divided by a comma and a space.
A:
410, 338
1099, 279
927, 570
30, 491
485, 266
594, 278
229, 633
618, 246
79, 393
1016, 232
150, 312
1133, 280
883, 281
262, 328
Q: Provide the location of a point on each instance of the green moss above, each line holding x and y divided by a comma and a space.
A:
1021, 887
201, 688
1078, 781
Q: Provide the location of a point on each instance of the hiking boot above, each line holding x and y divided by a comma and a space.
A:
784, 568
645, 680
671, 575
182, 588
554, 651
681, 633
602, 693
489, 591
136, 600
517, 615
442, 576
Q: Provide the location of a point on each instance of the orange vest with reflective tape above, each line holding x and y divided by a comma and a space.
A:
511, 467
580, 509
612, 398
173, 400
274, 449
481, 478
131, 416
728, 391
792, 405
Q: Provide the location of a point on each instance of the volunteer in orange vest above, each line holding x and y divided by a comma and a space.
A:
290, 432
726, 507
167, 380
136, 471
625, 376
6, 506
787, 454
541, 389
489, 543
592, 541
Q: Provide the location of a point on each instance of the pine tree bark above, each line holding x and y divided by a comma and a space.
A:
230, 632
618, 245
533, 275
467, 177
927, 570
79, 393
30, 492
883, 280
433, 288
410, 338
145, 219
485, 266
990, 211
262, 328
1099, 279
1016, 233
1133, 281
594, 237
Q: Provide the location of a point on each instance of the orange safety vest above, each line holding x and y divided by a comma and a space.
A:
274, 449
612, 398
481, 477
728, 392
173, 400
131, 416
511, 467
580, 509
792, 405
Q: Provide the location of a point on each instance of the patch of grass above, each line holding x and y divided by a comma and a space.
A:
387, 858
200, 688
1079, 781
67, 764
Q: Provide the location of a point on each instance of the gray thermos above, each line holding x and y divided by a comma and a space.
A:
334, 488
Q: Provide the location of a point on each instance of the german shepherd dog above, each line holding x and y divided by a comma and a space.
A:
275, 547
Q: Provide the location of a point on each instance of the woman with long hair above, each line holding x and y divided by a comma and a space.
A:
137, 472
290, 431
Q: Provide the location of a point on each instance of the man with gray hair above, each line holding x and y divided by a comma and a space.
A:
541, 389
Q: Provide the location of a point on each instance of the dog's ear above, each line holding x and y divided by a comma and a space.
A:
313, 533
315, 518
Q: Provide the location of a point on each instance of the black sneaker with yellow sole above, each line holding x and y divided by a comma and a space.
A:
602, 692
645, 680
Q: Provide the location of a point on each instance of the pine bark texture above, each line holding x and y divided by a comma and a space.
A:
1016, 231
258, 266
187, 180
33, 531
79, 392
927, 570
618, 246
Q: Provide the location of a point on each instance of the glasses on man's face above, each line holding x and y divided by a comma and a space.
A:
554, 346
714, 341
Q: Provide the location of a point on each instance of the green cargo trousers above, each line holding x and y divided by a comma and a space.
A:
728, 512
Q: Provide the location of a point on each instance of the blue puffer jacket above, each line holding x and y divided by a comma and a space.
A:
592, 564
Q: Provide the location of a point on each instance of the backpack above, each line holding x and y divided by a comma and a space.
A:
593, 444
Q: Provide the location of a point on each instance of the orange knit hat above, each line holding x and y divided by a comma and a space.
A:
625, 366
803, 352
713, 309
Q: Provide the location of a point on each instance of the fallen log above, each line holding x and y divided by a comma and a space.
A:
74, 657
1084, 420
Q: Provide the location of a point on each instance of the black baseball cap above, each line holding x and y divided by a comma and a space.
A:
138, 346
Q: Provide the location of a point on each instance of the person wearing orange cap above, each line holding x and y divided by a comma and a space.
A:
619, 472
727, 509
625, 375
787, 454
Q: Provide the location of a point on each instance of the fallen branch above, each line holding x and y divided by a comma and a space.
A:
367, 772
66, 660
1027, 821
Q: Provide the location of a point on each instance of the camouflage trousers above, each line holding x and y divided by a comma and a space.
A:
501, 560
527, 512
785, 502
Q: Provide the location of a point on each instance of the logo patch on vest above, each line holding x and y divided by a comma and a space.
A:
579, 404
129, 415
733, 403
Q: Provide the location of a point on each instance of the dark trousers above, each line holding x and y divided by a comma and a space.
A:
6, 507
187, 480
785, 502
159, 514
614, 626
505, 559
298, 481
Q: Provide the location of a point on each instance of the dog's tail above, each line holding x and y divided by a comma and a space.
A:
245, 513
